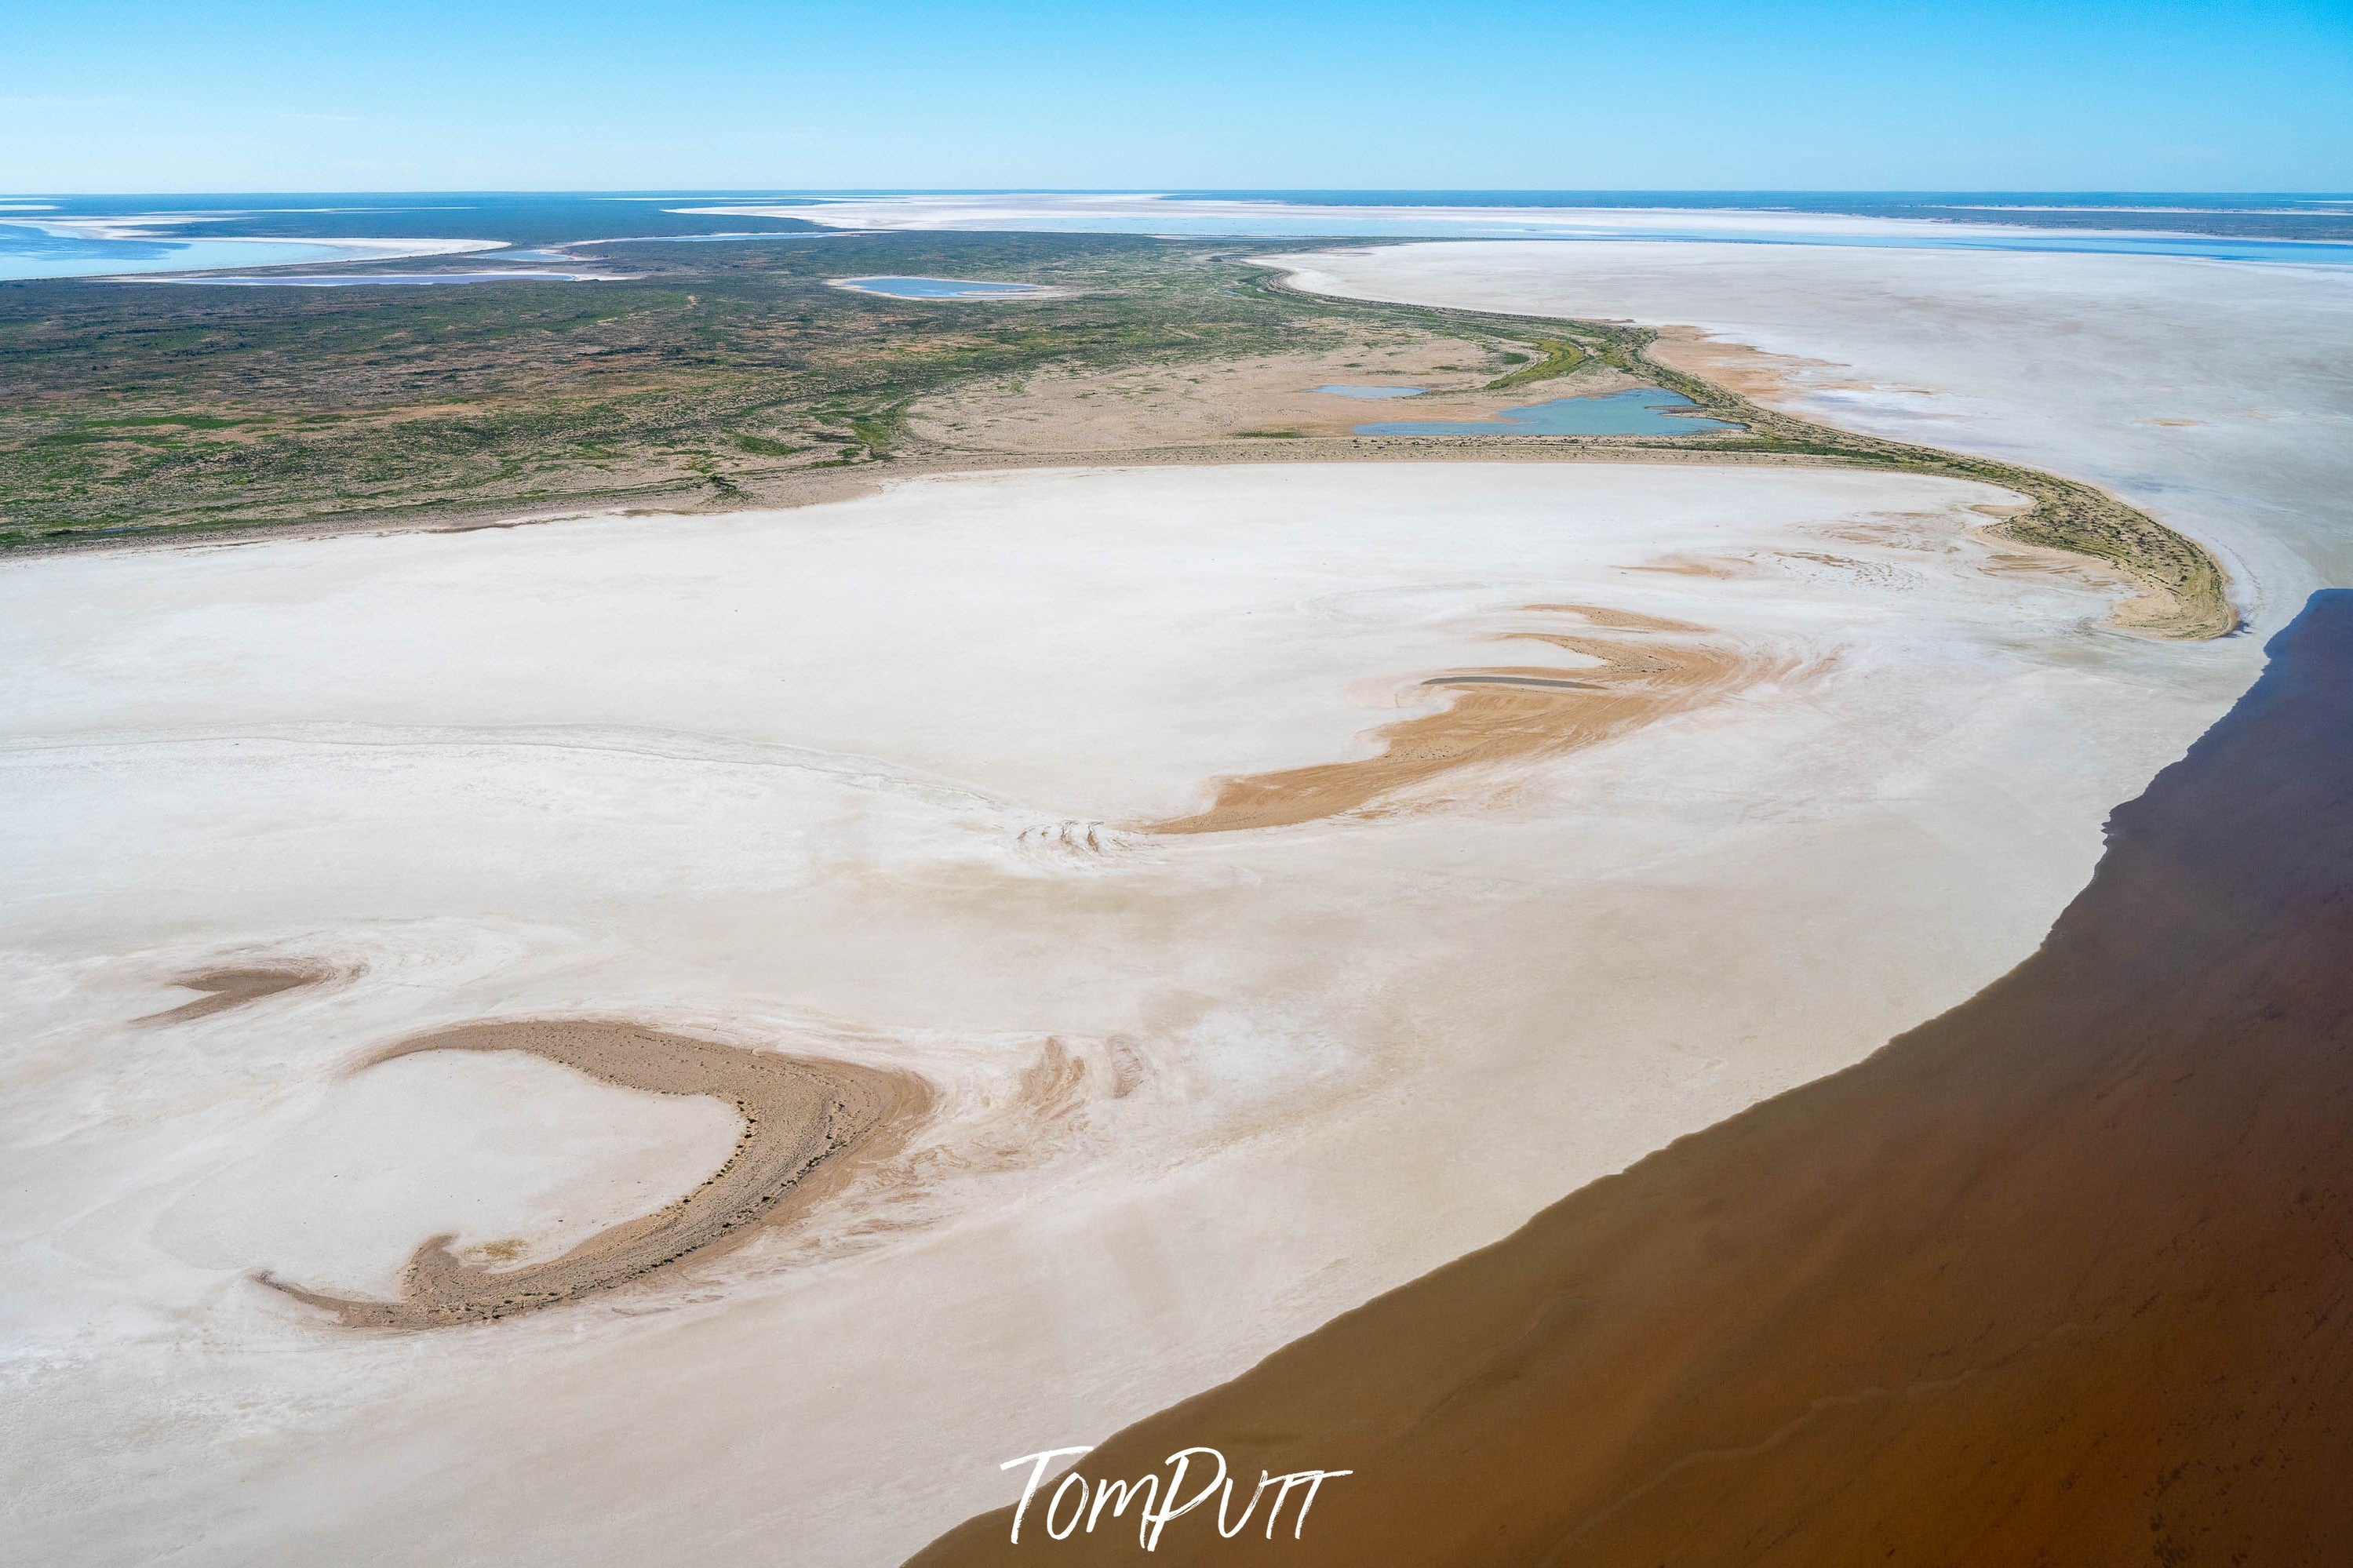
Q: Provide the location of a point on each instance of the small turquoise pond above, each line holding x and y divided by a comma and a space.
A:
1638, 411
1370, 393
940, 288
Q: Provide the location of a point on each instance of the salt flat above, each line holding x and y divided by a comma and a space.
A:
870, 779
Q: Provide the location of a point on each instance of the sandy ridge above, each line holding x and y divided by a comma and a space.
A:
805, 1120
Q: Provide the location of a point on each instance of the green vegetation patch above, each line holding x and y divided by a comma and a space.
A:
722, 367
1557, 357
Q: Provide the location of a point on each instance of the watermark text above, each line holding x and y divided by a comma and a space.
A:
1078, 1503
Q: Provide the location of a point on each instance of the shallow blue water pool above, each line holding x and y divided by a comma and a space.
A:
1638, 411
940, 288
1372, 394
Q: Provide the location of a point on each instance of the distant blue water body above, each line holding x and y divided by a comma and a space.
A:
940, 288
1639, 411
2034, 201
26, 252
184, 233
366, 279
1371, 393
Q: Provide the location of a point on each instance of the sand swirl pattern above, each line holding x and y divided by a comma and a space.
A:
805, 1121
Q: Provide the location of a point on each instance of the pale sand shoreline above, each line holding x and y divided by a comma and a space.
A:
706, 773
855, 483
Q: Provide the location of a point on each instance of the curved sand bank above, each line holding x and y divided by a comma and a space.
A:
805, 1121
2054, 1278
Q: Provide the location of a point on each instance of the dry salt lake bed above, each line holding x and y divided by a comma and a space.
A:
966, 783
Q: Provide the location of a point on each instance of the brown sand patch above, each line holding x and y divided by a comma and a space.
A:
1619, 620
1504, 718
1915, 533
2060, 1277
2142, 609
806, 1121
1688, 566
1767, 378
234, 988
2156, 605
2151, 609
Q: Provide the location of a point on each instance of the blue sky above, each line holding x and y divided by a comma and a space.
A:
426, 95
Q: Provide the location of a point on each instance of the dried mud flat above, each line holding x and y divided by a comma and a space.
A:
805, 1120
2056, 1277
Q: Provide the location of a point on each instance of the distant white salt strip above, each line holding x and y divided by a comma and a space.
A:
1187, 213
367, 279
1276, 218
